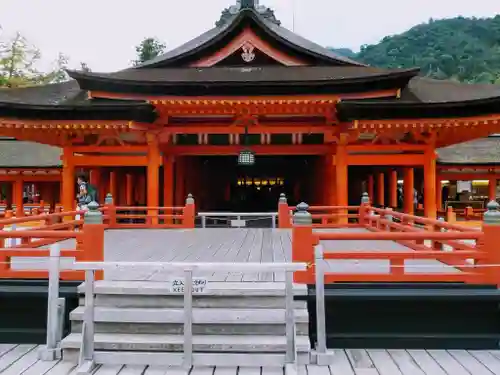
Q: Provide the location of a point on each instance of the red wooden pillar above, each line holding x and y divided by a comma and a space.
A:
19, 196
153, 182
408, 191
168, 181
129, 189
381, 189
393, 189
492, 189
430, 183
341, 181
439, 194
180, 172
68, 196
113, 184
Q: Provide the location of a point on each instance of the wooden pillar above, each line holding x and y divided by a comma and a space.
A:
168, 181
393, 189
68, 196
113, 179
330, 185
129, 190
18, 196
439, 194
408, 191
371, 188
430, 183
180, 172
381, 189
341, 175
153, 175
492, 189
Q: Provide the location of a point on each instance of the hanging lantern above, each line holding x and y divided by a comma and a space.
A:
246, 157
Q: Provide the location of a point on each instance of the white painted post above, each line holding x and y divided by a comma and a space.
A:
323, 356
188, 319
291, 352
203, 221
52, 351
273, 218
86, 362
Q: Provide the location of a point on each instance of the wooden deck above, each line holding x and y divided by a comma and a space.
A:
230, 245
23, 360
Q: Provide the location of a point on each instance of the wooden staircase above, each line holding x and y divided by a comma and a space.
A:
235, 324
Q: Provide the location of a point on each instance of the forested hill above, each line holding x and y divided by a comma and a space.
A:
463, 49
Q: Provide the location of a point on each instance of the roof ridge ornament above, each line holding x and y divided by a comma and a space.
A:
240, 5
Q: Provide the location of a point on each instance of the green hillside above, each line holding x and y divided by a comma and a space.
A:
463, 49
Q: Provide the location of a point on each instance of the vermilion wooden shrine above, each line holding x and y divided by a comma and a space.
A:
323, 128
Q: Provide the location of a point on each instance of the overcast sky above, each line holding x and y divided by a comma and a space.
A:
103, 33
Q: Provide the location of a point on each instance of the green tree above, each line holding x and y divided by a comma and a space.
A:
148, 49
462, 49
18, 60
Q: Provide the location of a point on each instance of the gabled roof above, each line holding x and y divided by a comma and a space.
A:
265, 80
214, 38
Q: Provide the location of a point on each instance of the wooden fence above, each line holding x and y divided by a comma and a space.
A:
465, 254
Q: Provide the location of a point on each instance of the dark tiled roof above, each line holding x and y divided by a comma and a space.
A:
66, 101
59, 93
28, 154
428, 90
479, 151
427, 98
269, 80
242, 75
280, 34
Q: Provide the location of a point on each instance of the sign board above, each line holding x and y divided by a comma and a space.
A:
464, 186
238, 223
199, 285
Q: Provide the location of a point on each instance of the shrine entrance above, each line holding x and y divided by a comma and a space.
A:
228, 186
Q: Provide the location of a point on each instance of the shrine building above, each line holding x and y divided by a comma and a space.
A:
242, 113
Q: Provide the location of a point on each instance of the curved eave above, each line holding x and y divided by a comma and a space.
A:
205, 41
371, 110
105, 83
143, 112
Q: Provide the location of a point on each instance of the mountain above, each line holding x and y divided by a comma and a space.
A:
462, 49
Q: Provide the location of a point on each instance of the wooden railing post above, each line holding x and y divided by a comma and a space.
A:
284, 217
363, 210
491, 228
93, 236
303, 244
189, 212
110, 210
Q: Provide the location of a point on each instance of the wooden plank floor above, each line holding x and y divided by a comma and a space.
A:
23, 360
230, 245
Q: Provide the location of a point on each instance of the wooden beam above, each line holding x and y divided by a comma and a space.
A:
258, 149
385, 148
30, 177
111, 149
387, 159
110, 161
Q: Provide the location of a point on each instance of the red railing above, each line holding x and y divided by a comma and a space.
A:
23, 237
122, 217
464, 254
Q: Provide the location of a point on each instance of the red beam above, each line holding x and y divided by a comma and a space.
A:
257, 149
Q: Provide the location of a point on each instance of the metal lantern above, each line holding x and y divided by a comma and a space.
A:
246, 157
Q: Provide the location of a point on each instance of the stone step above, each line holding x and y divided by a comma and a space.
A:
200, 316
220, 289
199, 301
302, 329
200, 360
174, 343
